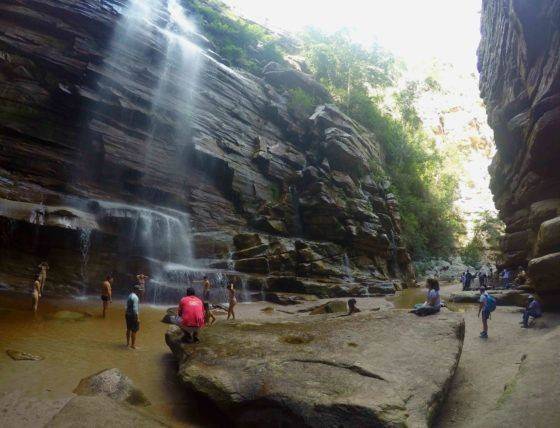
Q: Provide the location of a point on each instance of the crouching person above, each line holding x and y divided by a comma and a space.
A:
190, 316
533, 309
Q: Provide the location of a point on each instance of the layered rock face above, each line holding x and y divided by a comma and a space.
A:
520, 84
127, 145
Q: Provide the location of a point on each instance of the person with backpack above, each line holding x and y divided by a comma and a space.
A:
486, 307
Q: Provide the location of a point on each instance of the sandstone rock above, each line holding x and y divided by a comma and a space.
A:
114, 384
330, 308
100, 411
288, 299
112, 128
22, 356
381, 288
342, 371
518, 82
548, 240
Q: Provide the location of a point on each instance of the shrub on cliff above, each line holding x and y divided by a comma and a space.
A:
364, 84
243, 43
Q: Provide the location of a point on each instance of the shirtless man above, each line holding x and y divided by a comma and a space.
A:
207, 286
106, 293
36, 294
44, 267
142, 283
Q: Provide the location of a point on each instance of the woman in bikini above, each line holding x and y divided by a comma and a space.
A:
232, 301
36, 294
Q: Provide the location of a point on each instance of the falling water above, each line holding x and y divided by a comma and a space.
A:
347, 271
85, 243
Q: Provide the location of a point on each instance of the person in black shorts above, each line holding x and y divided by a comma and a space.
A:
106, 293
132, 316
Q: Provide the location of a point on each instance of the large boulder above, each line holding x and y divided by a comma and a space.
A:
326, 371
113, 384
101, 412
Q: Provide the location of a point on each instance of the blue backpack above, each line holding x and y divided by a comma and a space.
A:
490, 303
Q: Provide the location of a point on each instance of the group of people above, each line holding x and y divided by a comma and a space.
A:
487, 305
193, 313
468, 279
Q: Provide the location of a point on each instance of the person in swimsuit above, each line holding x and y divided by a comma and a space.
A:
44, 267
36, 295
142, 283
232, 301
106, 293
207, 286
209, 317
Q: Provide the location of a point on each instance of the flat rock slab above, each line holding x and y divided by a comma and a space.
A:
386, 369
22, 356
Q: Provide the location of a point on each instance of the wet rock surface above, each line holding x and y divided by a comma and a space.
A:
372, 369
519, 75
114, 384
93, 179
503, 297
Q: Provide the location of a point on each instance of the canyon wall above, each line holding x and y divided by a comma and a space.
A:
127, 144
519, 66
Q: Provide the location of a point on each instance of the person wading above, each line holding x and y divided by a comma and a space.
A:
35, 294
106, 293
43, 268
132, 316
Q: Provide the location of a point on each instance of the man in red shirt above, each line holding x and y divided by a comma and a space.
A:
191, 312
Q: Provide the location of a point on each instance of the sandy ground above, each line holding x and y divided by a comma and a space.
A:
511, 378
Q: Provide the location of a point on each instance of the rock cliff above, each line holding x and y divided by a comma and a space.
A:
127, 145
520, 84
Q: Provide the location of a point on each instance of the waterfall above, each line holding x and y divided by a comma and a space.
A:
347, 271
85, 243
151, 69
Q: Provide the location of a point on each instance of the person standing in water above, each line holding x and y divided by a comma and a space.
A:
142, 283
132, 316
207, 286
232, 301
44, 267
106, 293
36, 295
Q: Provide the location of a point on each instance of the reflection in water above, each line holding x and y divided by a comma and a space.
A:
407, 298
73, 350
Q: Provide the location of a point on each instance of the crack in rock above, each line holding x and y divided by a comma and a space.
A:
353, 368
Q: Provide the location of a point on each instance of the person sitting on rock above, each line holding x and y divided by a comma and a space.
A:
352, 308
533, 309
432, 305
191, 313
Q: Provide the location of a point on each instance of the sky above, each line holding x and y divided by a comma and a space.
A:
415, 30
